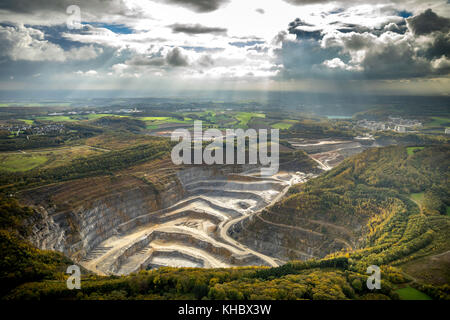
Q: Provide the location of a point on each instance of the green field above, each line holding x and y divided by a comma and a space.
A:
44, 158
409, 293
94, 116
56, 118
412, 149
91, 116
418, 197
245, 117
155, 118
438, 122
27, 121
22, 104
154, 122
282, 125
165, 119
61, 156
21, 162
208, 116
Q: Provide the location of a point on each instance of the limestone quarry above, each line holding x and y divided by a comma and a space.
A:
122, 224
158, 214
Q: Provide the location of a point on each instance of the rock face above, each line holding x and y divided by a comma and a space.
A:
88, 216
286, 242
120, 224
275, 240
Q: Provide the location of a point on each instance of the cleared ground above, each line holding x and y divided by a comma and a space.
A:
434, 269
21, 162
418, 198
44, 158
194, 231
411, 150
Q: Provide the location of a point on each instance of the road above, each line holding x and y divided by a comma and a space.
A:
224, 230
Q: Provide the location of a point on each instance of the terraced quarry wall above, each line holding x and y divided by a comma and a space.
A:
120, 224
347, 207
76, 216
270, 235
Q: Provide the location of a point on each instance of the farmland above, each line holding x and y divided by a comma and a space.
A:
409, 293
43, 158
20, 162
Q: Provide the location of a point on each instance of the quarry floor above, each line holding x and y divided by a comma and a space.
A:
193, 232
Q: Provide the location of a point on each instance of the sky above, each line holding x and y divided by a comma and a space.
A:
375, 47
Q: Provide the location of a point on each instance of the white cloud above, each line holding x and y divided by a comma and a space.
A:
91, 73
229, 39
382, 50
335, 63
21, 43
441, 64
83, 53
26, 43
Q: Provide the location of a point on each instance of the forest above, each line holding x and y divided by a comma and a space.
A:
374, 186
26, 140
101, 164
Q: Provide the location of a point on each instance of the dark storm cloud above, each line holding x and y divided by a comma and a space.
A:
394, 60
206, 61
146, 61
173, 58
304, 30
428, 22
27, 6
111, 6
299, 57
399, 27
351, 51
280, 37
176, 58
196, 29
440, 46
200, 6
242, 44
349, 27
304, 2
307, 2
